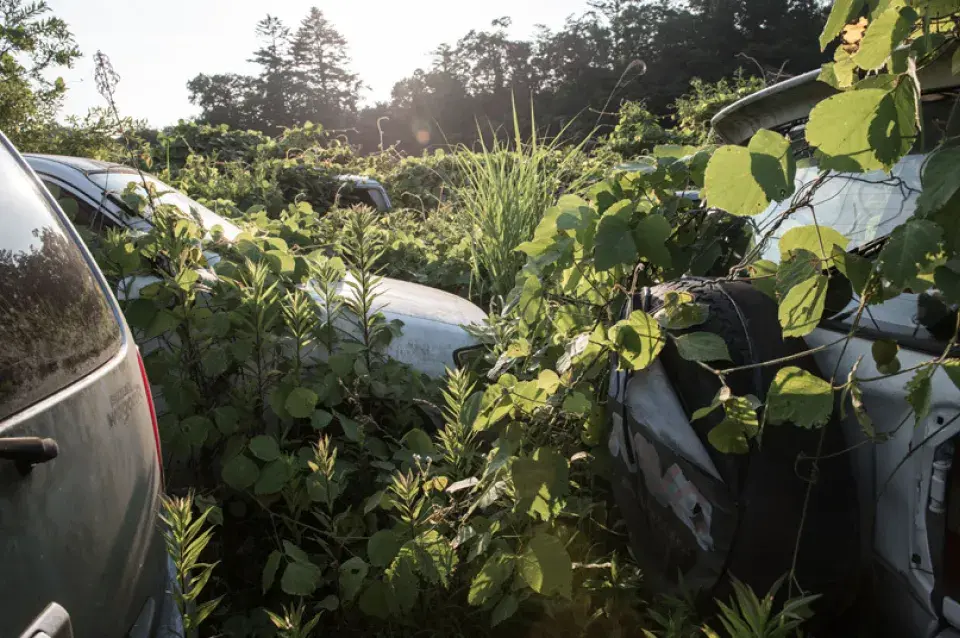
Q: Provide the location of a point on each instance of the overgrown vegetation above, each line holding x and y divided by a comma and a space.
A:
353, 495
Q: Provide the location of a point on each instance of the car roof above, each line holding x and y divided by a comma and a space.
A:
793, 99
82, 164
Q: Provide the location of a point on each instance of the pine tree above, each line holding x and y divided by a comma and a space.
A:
275, 96
321, 61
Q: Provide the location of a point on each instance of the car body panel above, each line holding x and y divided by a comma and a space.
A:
82, 529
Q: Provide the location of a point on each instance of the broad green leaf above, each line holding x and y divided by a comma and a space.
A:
803, 266
679, 311
883, 35
855, 268
196, 429
743, 181
352, 573
265, 447
911, 247
540, 483
936, 8
614, 242
320, 419
638, 340
919, 392
763, 275
420, 443
947, 280
819, 240
800, 311
548, 381
577, 403
855, 393
300, 579
273, 477
281, 262
546, 567
504, 610
885, 356
863, 129
702, 346
227, 419
376, 600
382, 548
729, 437
163, 321
270, 570
650, 238
940, 179
488, 582
952, 368
240, 472
295, 553
435, 558
301, 402
800, 398
843, 11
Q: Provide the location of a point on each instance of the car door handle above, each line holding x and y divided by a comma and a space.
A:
27, 451
54, 622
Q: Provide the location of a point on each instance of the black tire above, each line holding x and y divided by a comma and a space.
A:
768, 487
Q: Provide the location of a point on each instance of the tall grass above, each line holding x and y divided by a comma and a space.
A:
503, 190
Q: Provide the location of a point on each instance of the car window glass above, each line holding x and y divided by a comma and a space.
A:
117, 182
79, 211
55, 322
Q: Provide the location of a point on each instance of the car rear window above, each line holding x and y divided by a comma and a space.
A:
55, 323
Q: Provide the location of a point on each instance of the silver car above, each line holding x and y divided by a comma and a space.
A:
432, 319
889, 515
80, 479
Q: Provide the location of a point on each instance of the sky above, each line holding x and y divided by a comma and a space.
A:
156, 46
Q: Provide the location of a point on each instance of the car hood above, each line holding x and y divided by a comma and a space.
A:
404, 299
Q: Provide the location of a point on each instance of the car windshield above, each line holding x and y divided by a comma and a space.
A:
116, 182
863, 207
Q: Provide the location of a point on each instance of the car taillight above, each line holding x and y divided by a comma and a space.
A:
153, 410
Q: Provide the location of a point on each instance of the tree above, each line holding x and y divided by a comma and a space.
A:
31, 43
225, 99
276, 98
320, 60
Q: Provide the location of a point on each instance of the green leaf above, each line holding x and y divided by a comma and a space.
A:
548, 381
702, 346
240, 472
419, 442
614, 241
270, 570
729, 437
301, 402
855, 268
375, 600
488, 582
546, 567
265, 448
504, 610
196, 429
952, 368
919, 392
577, 403
679, 311
800, 311
638, 340
802, 266
227, 419
295, 554
863, 129
352, 573
885, 356
540, 483
764, 277
855, 393
382, 548
300, 579
320, 419
650, 238
435, 558
842, 12
743, 181
272, 477
163, 321
883, 35
281, 262
819, 240
911, 247
940, 180
798, 397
